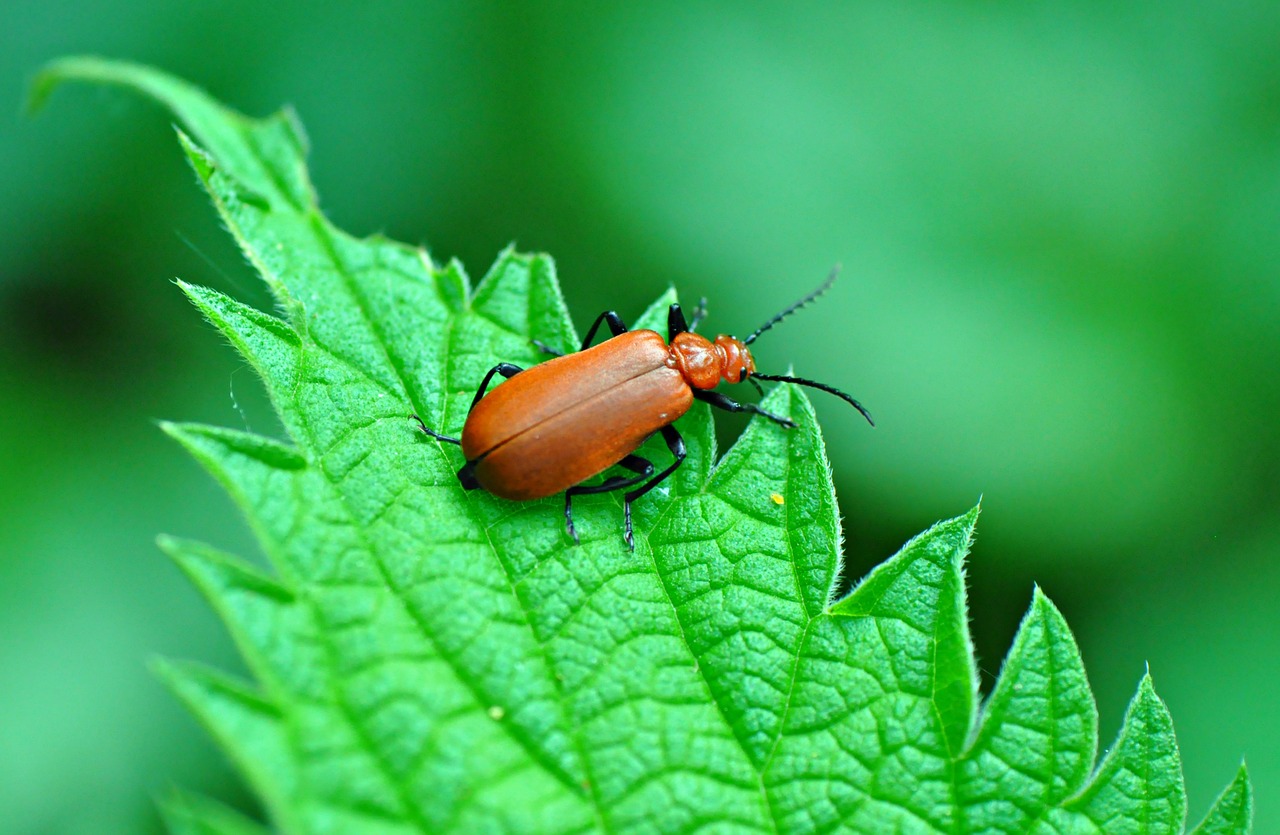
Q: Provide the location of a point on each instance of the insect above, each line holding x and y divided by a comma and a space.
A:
549, 428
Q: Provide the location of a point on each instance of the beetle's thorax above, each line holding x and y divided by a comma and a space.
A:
704, 363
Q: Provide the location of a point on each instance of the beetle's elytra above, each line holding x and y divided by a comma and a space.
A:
550, 427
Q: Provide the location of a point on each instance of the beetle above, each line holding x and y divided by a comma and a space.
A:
549, 428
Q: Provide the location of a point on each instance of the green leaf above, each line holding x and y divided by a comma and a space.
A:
186, 814
428, 659
1233, 810
1039, 732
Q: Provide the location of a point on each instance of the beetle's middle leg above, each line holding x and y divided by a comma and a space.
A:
634, 463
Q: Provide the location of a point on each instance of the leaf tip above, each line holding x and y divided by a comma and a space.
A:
1040, 604
1232, 811
180, 551
1146, 687
194, 292
48, 78
960, 530
291, 118
39, 89
1147, 710
177, 431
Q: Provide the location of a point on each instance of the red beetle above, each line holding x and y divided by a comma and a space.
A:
551, 427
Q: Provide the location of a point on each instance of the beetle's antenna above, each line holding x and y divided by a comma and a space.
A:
699, 313
759, 389
816, 385
835, 271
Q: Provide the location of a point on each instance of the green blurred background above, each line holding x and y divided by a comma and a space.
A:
1059, 226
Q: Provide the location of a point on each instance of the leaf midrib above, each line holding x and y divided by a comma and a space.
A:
573, 731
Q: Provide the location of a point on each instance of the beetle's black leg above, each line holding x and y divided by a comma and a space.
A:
506, 369
718, 400
675, 443
433, 433
546, 349
699, 313
676, 324
616, 327
635, 463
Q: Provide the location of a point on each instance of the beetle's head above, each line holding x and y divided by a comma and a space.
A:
735, 359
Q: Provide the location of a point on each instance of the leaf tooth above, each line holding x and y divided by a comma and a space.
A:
521, 294
1232, 812
452, 284
200, 159
192, 814
1139, 785
268, 343
548, 317
246, 724
943, 546
922, 587
203, 563
1038, 736
275, 637
267, 451
793, 462
503, 294
264, 479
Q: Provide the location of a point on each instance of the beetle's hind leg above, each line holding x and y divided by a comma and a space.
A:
506, 369
634, 463
675, 443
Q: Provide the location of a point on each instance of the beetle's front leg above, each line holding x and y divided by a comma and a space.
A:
676, 323
718, 400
